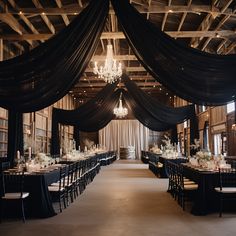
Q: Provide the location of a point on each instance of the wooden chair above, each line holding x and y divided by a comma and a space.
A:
185, 187
227, 186
13, 190
57, 190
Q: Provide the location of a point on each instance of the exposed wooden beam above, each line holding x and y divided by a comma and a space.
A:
209, 18
128, 69
24, 18
64, 16
43, 16
102, 84
165, 17
225, 18
120, 35
184, 16
75, 9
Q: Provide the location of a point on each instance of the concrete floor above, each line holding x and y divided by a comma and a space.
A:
125, 199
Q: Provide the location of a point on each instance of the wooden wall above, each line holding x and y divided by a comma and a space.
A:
37, 128
219, 123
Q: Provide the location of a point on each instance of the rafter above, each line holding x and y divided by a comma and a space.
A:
152, 9
120, 35
43, 16
204, 25
184, 16
64, 16
24, 18
165, 17
225, 18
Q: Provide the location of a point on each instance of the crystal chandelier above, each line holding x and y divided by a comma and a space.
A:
110, 72
120, 111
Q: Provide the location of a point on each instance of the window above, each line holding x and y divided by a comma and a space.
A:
217, 144
230, 107
185, 124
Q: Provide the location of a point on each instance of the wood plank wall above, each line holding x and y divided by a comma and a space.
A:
219, 123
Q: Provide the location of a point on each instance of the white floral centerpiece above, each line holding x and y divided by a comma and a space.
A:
169, 150
156, 149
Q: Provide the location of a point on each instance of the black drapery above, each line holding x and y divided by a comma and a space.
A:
196, 76
39, 78
45, 74
91, 116
15, 135
76, 137
168, 117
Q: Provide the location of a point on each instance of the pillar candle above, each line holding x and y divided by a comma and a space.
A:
30, 152
18, 154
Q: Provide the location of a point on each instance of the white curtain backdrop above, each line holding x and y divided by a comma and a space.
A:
124, 133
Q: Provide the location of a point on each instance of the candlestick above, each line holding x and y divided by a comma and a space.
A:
60, 151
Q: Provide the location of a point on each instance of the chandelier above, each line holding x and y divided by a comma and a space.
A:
120, 111
110, 72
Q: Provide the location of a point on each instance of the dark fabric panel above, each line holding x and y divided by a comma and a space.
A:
196, 76
89, 117
157, 116
15, 135
159, 111
174, 135
45, 74
76, 137
143, 116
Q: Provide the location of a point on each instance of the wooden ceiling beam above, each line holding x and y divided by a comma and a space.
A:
184, 16
74, 9
102, 84
64, 16
12, 22
225, 18
43, 16
120, 35
165, 17
24, 18
128, 69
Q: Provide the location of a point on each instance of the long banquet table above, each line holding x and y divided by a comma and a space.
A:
154, 158
206, 199
39, 203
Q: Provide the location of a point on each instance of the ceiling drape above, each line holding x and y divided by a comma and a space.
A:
196, 76
40, 77
91, 116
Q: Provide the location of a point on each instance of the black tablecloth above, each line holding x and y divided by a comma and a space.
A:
40, 202
206, 199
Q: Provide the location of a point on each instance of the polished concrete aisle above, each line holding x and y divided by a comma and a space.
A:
125, 199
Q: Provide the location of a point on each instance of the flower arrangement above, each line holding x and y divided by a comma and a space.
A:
204, 155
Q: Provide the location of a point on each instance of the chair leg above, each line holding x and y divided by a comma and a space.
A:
221, 206
23, 210
60, 203
1, 210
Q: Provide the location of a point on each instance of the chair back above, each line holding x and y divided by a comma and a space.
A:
227, 177
13, 181
62, 180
